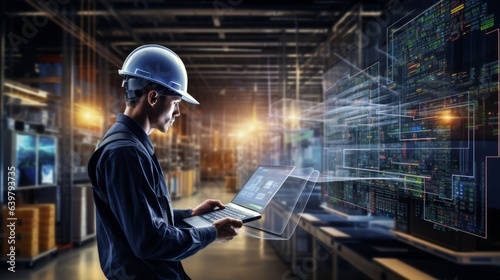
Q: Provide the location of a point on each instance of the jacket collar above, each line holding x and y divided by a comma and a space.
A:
135, 128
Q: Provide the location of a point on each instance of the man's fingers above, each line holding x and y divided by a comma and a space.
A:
231, 232
229, 221
222, 221
226, 228
216, 203
236, 223
207, 205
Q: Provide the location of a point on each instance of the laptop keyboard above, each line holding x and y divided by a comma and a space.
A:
223, 213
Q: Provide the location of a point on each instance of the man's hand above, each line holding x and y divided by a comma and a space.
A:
226, 228
208, 205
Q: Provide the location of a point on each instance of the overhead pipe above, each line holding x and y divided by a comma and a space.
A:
117, 15
75, 31
335, 31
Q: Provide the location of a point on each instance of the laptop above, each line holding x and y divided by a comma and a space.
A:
289, 197
251, 200
290, 201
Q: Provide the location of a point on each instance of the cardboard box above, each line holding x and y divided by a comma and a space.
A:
47, 226
28, 251
27, 217
47, 213
46, 245
26, 244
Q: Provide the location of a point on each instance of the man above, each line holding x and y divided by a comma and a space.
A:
138, 233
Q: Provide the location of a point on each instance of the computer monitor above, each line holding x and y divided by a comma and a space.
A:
47, 147
26, 159
33, 155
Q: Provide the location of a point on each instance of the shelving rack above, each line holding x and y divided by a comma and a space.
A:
64, 93
28, 109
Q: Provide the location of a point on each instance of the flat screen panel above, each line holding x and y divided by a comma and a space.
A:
46, 160
262, 186
26, 161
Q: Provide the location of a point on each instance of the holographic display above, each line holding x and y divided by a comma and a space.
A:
411, 138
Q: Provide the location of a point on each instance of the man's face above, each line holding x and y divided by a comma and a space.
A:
165, 112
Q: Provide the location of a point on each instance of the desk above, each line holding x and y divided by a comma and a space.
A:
307, 253
360, 252
348, 244
396, 269
410, 268
327, 246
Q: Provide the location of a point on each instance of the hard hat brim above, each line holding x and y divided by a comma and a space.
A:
185, 96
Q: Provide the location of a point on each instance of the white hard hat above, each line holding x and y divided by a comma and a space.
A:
160, 65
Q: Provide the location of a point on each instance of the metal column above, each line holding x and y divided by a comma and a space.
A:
2, 119
66, 159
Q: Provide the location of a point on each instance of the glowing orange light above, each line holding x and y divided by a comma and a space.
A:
447, 116
88, 116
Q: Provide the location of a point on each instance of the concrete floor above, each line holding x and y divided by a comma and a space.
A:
242, 258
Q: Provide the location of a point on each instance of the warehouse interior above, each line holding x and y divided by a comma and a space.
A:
388, 109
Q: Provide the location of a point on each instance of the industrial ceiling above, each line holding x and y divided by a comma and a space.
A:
240, 55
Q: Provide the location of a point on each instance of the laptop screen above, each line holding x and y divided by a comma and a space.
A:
262, 186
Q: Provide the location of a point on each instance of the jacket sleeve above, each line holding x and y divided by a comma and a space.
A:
132, 199
179, 215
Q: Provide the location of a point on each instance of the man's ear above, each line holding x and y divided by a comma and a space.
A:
152, 97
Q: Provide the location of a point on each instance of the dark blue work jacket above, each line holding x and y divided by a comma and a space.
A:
137, 236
